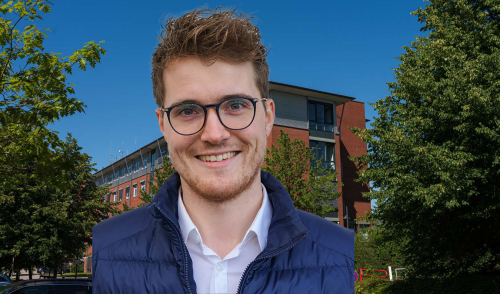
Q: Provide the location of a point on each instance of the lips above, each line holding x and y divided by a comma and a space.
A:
216, 158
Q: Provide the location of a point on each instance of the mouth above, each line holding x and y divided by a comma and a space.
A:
218, 157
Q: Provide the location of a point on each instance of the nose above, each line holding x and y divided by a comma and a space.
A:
214, 131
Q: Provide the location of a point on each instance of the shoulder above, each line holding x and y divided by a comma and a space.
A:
121, 226
328, 235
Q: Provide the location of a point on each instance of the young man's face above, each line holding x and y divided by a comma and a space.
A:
187, 79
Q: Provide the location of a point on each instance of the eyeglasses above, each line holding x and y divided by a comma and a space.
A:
236, 113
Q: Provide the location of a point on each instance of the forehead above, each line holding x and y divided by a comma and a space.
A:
187, 78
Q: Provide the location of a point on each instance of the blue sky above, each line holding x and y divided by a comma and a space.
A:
344, 47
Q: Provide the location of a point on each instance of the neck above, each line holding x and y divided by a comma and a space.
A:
222, 226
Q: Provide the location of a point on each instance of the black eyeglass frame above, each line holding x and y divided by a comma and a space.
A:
216, 105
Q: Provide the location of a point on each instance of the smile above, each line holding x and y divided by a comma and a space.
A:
220, 157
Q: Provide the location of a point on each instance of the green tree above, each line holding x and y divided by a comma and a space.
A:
44, 224
373, 249
160, 176
37, 175
34, 89
311, 187
434, 150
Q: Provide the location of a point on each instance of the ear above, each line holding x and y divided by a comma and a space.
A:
160, 115
269, 116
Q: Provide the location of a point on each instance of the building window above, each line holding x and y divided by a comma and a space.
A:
114, 196
120, 195
320, 116
137, 163
135, 190
153, 159
109, 197
123, 171
325, 152
143, 185
145, 162
163, 149
129, 169
127, 192
117, 175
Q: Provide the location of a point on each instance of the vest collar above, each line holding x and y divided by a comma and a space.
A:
285, 226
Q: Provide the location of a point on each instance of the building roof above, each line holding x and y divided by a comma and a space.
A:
337, 98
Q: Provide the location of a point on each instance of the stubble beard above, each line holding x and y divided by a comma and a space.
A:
222, 190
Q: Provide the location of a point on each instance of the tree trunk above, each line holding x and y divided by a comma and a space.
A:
18, 275
55, 273
30, 272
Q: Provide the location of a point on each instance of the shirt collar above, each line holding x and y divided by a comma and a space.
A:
185, 222
259, 227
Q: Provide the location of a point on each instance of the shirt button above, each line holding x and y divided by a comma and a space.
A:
197, 239
219, 267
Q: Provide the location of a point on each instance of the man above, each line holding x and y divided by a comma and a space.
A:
220, 224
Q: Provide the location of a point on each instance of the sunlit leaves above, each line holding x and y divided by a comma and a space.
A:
434, 150
311, 187
47, 200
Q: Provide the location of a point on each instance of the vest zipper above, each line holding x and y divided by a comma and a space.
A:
184, 249
273, 254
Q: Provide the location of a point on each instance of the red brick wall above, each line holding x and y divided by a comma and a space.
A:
133, 201
351, 145
293, 133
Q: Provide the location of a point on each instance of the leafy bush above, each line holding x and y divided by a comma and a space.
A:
71, 268
373, 251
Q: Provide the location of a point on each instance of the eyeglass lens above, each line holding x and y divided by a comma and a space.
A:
235, 113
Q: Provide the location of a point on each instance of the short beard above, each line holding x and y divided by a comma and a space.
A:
215, 192
221, 191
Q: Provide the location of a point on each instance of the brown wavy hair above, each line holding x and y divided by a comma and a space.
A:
223, 32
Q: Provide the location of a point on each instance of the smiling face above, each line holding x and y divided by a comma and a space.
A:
218, 164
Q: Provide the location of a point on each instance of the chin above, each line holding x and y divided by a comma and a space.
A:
221, 189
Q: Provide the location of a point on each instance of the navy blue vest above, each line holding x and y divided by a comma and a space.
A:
142, 251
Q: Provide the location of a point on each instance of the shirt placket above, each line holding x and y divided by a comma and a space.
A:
220, 277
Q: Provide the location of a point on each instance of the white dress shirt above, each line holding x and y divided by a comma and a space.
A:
213, 274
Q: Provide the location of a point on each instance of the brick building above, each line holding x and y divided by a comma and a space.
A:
320, 119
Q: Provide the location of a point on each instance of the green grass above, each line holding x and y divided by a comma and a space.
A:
461, 284
79, 275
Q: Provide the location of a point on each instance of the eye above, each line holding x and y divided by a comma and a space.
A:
236, 104
186, 110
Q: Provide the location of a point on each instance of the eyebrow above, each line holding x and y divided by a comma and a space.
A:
221, 98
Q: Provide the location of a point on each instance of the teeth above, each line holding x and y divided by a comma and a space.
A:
219, 157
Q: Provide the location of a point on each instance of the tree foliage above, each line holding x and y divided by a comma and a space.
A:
33, 87
434, 150
46, 224
160, 176
311, 187
48, 203
373, 249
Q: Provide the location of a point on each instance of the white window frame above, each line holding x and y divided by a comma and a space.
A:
127, 195
135, 189
143, 183
114, 196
